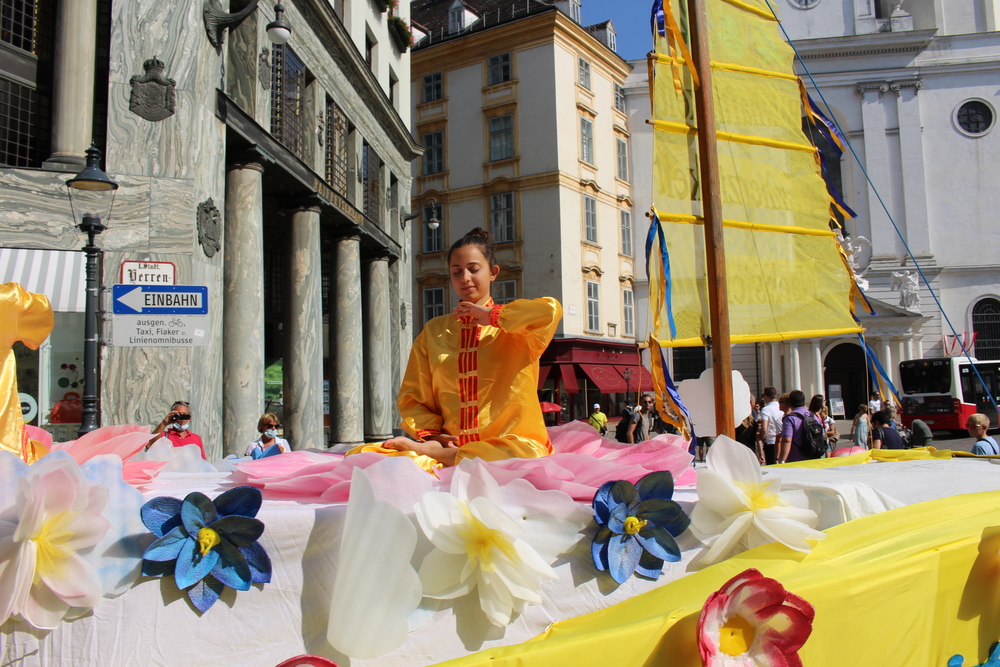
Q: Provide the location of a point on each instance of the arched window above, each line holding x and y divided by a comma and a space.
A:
986, 324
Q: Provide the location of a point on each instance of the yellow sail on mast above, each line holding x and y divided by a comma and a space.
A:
786, 276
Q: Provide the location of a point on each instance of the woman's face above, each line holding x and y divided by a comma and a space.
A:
471, 274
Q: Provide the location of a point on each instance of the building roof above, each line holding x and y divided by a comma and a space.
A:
434, 14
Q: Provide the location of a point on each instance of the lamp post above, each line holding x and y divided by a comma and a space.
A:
87, 192
628, 382
433, 223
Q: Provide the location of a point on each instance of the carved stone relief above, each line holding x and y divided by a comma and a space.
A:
209, 227
153, 96
264, 68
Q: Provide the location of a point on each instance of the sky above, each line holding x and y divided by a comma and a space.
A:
631, 19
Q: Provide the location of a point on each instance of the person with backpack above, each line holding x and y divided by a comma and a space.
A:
802, 435
621, 431
985, 445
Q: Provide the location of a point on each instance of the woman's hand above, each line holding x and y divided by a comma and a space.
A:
444, 453
479, 314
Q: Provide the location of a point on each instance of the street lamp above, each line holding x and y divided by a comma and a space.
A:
433, 223
88, 198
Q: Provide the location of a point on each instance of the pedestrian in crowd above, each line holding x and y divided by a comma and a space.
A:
770, 426
599, 420
921, 434
861, 427
267, 426
645, 421
874, 403
746, 431
175, 426
818, 406
985, 445
883, 435
789, 447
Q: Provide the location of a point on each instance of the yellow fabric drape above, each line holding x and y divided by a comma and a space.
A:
501, 380
25, 317
912, 586
785, 276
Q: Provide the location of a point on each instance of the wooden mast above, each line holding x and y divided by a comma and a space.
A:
718, 298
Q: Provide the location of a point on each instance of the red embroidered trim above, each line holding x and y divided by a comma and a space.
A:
424, 434
495, 315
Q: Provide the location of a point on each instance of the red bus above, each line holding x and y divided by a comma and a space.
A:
944, 392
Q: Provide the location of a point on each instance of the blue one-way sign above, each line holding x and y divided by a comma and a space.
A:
160, 299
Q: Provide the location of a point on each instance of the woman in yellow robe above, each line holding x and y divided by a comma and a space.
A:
470, 388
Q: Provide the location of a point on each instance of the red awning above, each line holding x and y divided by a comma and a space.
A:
543, 375
607, 378
569, 378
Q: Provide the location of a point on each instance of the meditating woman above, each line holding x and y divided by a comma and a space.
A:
470, 388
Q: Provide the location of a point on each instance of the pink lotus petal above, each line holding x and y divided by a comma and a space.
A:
39, 434
138, 473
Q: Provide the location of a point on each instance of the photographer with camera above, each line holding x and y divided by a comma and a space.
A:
175, 427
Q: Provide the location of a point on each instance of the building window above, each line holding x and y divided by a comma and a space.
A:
975, 117
689, 363
456, 18
504, 291
612, 39
622, 153
620, 98
593, 306
584, 75
574, 11
371, 178
499, 69
433, 238
433, 90
288, 108
502, 217
986, 324
626, 220
27, 28
336, 147
433, 303
434, 153
586, 140
590, 218
628, 312
502, 137
370, 52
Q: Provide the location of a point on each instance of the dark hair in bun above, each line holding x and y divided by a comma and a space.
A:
480, 238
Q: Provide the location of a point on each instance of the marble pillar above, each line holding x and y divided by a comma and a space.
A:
379, 397
817, 364
243, 308
73, 83
898, 346
883, 349
776, 377
794, 366
765, 365
347, 384
303, 359
882, 236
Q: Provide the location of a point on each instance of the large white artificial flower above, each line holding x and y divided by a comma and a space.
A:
737, 510
497, 541
57, 513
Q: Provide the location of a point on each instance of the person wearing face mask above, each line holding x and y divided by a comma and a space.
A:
176, 427
267, 426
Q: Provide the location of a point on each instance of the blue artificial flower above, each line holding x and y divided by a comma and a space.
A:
638, 526
207, 545
992, 661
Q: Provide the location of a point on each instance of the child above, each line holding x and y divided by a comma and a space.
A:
985, 445
861, 427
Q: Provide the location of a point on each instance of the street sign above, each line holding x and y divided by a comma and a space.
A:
148, 273
160, 300
160, 331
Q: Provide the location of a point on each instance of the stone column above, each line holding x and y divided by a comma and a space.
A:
881, 234
73, 83
898, 346
883, 349
914, 179
817, 363
378, 392
794, 368
243, 308
346, 347
303, 361
765, 364
776, 376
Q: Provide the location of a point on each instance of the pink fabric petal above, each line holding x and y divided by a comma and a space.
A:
39, 434
73, 580
123, 445
43, 608
101, 435
88, 529
138, 473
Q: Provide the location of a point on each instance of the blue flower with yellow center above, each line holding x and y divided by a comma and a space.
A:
638, 524
207, 545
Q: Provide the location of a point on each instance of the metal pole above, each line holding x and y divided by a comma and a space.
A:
92, 226
718, 298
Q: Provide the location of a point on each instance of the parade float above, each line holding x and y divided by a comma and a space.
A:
599, 554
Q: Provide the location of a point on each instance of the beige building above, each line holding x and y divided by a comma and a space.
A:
521, 112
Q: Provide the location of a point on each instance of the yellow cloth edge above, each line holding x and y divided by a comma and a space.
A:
687, 218
878, 455
727, 67
763, 338
682, 128
926, 571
